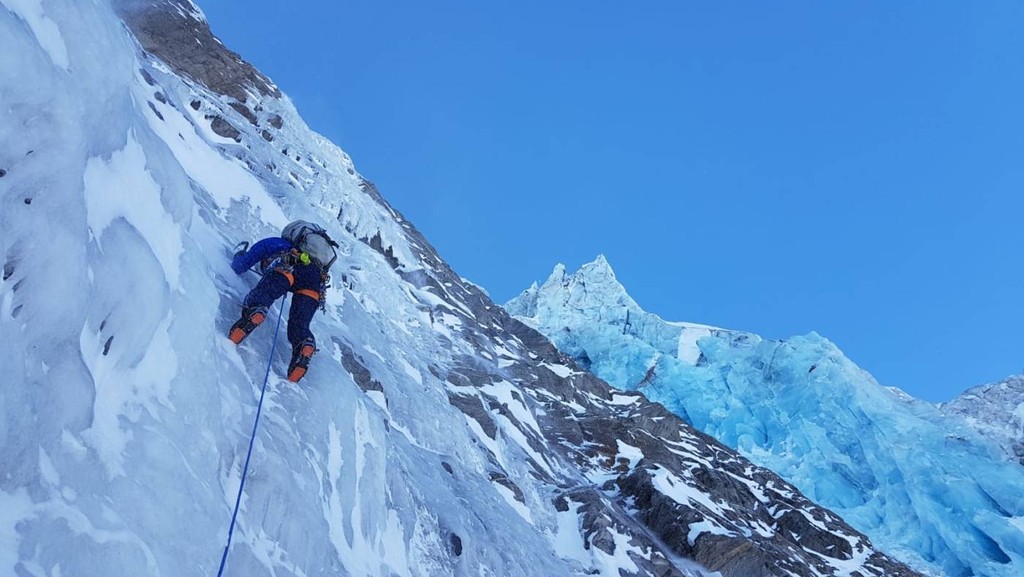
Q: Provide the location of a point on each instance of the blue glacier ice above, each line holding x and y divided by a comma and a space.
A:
926, 487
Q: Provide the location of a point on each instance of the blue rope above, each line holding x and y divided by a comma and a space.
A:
252, 440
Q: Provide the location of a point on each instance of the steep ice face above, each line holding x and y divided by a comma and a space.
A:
434, 435
996, 411
925, 487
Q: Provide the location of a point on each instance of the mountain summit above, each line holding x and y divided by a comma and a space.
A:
921, 482
591, 289
593, 296
433, 435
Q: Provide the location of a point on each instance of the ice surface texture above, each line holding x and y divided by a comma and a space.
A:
925, 488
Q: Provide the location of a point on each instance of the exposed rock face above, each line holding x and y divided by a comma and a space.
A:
996, 411
176, 32
224, 128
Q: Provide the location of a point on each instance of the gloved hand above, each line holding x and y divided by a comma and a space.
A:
238, 261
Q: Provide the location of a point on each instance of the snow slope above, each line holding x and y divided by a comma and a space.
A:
927, 488
434, 435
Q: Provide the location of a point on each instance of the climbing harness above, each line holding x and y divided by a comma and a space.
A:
252, 440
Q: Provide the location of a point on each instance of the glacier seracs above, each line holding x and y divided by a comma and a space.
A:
927, 488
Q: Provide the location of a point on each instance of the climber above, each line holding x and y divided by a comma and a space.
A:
298, 261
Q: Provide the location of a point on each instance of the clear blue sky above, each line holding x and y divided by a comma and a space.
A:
853, 168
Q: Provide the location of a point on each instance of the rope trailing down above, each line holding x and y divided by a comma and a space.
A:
252, 441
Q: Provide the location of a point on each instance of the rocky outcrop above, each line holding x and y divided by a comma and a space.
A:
177, 33
996, 411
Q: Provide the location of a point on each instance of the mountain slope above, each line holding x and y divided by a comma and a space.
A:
927, 488
996, 411
434, 434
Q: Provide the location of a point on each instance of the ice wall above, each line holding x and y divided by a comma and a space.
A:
125, 413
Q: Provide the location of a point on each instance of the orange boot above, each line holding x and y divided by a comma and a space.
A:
300, 360
247, 324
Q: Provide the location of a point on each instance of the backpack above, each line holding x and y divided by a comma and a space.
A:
313, 240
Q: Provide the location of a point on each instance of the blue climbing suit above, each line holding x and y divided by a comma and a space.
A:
282, 272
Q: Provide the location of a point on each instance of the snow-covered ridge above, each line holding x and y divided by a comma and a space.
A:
434, 435
923, 485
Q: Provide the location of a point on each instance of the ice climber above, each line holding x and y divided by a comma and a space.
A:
298, 262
